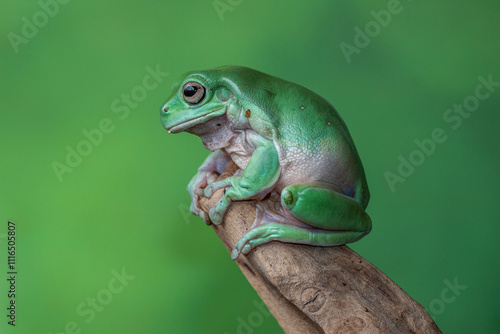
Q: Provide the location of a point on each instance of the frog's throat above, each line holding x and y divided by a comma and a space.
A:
195, 121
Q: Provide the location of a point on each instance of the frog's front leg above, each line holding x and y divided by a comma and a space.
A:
332, 219
211, 168
258, 178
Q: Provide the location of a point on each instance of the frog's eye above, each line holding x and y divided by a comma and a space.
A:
193, 92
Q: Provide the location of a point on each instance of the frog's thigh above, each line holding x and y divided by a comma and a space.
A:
319, 205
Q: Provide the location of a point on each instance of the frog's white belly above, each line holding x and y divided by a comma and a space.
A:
240, 160
241, 148
302, 166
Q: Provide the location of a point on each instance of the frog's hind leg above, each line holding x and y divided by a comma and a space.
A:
268, 232
318, 204
309, 214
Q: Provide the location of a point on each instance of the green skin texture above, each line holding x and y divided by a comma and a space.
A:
291, 146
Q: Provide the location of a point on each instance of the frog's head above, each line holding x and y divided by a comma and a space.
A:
196, 99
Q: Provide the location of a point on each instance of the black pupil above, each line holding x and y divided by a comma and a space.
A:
190, 91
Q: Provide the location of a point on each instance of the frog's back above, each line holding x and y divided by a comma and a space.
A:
311, 138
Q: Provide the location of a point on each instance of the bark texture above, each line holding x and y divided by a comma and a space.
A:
319, 289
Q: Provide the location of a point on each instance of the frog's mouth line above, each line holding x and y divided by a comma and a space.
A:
195, 121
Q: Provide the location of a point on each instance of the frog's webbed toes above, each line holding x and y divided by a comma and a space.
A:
200, 192
215, 217
257, 236
200, 181
214, 186
217, 213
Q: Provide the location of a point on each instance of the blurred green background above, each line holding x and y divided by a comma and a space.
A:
124, 204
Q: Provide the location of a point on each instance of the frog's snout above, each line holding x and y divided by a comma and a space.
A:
165, 115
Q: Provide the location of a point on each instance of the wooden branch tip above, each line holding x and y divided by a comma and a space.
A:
319, 289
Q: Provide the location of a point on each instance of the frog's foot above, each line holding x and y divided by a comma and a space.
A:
213, 187
270, 224
217, 212
196, 190
233, 191
211, 168
265, 233
257, 236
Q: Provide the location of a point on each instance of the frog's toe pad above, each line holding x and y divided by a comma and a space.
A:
215, 217
257, 236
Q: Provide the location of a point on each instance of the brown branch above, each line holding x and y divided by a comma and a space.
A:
319, 289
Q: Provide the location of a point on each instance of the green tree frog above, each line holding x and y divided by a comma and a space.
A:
295, 155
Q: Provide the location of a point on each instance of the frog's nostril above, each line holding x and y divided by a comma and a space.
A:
165, 109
